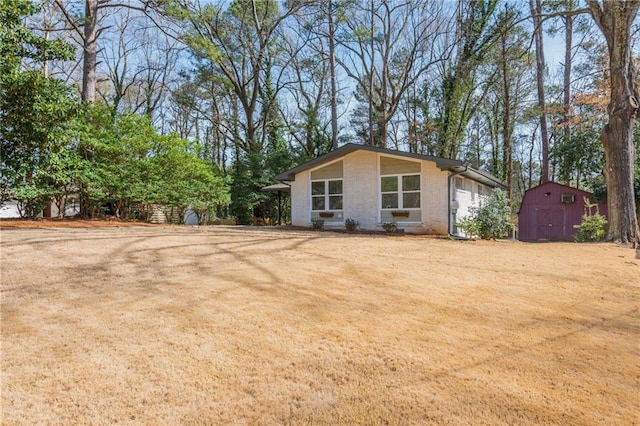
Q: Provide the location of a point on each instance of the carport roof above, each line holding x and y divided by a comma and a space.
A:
456, 166
277, 187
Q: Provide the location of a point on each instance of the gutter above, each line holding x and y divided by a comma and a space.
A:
466, 167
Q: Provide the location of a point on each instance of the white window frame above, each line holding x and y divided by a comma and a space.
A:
459, 183
326, 195
568, 198
400, 192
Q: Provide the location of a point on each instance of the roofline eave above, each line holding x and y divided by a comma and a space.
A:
442, 163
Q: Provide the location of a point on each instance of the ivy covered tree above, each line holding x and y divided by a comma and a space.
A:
475, 34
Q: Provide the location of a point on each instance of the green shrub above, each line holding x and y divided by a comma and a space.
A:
592, 227
470, 225
317, 223
351, 224
31, 199
493, 220
390, 226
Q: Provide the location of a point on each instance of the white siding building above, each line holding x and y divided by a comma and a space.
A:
420, 194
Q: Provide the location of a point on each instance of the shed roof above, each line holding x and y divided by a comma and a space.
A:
456, 166
542, 187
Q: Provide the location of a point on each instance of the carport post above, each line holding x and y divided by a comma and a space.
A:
279, 188
279, 208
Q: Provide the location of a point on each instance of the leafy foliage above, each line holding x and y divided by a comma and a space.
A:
492, 220
351, 224
592, 227
128, 167
31, 199
34, 109
390, 226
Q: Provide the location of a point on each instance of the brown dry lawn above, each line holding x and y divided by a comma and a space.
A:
251, 326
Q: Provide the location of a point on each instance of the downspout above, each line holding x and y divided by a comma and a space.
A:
466, 167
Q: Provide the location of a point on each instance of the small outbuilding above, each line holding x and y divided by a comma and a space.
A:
549, 212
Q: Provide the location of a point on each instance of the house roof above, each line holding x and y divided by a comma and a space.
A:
456, 166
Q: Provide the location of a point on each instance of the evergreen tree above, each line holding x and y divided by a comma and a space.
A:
33, 108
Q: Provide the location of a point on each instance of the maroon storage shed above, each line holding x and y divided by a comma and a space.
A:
550, 210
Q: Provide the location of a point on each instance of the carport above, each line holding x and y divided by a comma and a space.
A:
278, 188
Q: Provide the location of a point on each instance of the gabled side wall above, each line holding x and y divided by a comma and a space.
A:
300, 200
361, 188
361, 191
435, 205
465, 198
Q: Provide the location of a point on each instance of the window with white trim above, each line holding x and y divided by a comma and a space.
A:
326, 194
400, 192
459, 183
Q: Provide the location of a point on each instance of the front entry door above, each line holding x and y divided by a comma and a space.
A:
550, 225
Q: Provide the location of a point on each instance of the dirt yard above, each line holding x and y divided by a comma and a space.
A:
258, 326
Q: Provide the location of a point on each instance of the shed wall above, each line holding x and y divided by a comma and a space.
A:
544, 217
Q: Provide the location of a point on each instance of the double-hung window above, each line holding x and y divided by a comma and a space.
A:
400, 192
326, 194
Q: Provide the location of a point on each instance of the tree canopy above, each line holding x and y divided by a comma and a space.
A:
251, 87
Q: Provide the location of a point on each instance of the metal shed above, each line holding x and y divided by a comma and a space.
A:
549, 212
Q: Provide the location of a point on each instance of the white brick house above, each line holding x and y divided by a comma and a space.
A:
421, 194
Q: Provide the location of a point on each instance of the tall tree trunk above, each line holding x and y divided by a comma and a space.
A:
536, 11
507, 149
371, 141
90, 56
566, 111
382, 126
332, 71
615, 19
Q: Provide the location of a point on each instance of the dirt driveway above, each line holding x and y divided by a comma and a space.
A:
224, 325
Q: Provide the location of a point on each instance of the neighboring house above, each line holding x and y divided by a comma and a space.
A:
9, 210
549, 212
372, 185
71, 209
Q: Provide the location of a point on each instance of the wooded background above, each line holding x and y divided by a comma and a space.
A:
177, 102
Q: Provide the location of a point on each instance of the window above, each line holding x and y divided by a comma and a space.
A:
326, 195
400, 192
568, 198
459, 183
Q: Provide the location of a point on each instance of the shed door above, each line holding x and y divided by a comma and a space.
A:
550, 224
